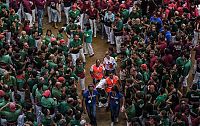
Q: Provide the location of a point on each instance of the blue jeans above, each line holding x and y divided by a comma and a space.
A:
114, 109
91, 110
40, 13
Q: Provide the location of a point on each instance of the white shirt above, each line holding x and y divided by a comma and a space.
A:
109, 62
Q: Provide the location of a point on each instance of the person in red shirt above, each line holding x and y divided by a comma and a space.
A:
93, 18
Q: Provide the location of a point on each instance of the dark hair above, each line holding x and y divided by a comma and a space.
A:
115, 88
48, 30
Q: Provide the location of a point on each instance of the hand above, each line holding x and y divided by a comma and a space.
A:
122, 109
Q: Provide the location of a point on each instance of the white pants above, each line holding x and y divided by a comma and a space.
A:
118, 40
93, 26
196, 78
89, 49
49, 13
59, 13
82, 83
54, 15
30, 18
82, 55
33, 15
196, 38
74, 58
66, 10
109, 33
20, 12
81, 20
185, 84
22, 94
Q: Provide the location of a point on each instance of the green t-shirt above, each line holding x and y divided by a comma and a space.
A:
60, 36
130, 111
74, 14
161, 98
125, 14
56, 93
75, 122
47, 121
88, 36
63, 107
52, 64
186, 68
11, 116
10, 82
75, 44
6, 59
31, 41
48, 102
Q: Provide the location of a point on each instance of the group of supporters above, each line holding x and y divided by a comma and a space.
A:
145, 74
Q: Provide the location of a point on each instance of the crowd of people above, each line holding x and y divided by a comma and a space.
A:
145, 74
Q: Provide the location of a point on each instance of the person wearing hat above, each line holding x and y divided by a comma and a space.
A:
116, 101
2, 100
90, 100
12, 113
124, 13
47, 102
75, 14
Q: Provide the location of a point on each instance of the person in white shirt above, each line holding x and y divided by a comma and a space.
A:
109, 63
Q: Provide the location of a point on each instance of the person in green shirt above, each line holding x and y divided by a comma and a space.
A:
118, 32
4, 57
63, 106
48, 37
75, 45
51, 63
124, 13
47, 102
12, 113
185, 72
32, 39
9, 80
57, 91
88, 40
130, 111
161, 98
76, 120
74, 14
60, 35
134, 14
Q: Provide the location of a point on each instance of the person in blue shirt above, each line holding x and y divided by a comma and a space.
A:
115, 100
168, 34
156, 20
90, 99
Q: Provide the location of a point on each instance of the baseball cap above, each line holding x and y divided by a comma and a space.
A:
46, 93
2, 93
12, 106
